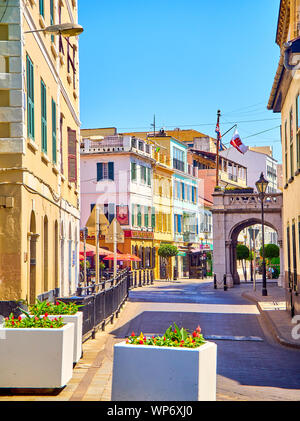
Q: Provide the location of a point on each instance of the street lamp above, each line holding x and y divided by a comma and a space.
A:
64, 29
261, 186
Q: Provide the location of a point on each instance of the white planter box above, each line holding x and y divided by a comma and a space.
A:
149, 373
75, 319
36, 358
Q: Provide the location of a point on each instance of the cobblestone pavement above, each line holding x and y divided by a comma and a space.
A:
248, 370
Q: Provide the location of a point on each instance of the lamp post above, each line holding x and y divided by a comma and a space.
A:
261, 186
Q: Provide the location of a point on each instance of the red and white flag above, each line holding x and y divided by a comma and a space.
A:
238, 144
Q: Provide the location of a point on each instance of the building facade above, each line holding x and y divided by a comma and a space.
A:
117, 175
285, 99
39, 153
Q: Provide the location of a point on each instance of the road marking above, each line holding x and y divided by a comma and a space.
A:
234, 338
272, 305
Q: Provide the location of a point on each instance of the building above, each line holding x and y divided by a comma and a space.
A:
284, 99
39, 153
117, 175
163, 205
256, 160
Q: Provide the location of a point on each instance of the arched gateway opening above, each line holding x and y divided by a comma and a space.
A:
233, 242
233, 212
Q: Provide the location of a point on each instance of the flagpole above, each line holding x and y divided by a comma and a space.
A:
218, 148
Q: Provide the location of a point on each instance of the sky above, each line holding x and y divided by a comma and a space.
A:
180, 60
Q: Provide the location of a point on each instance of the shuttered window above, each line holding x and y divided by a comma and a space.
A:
72, 159
153, 218
146, 216
44, 117
54, 144
42, 8
105, 171
139, 216
30, 98
133, 171
52, 17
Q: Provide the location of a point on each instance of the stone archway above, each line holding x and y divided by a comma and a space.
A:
233, 241
232, 212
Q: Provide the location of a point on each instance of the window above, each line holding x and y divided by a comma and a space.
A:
139, 216
30, 98
72, 158
54, 146
133, 171
44, 117
52, 17
291, 145
133, 214
42, 8
182, 191
143, 174
178, 159
149, 176
286, 152
105, 171
153, 221
146, 216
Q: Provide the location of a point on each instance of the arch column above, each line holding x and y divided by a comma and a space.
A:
229, 263
282, 275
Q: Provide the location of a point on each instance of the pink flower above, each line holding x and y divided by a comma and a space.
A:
198, 329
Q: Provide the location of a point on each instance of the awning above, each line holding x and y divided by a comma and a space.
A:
123, 257
91, 250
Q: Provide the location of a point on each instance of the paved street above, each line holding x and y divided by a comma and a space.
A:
251, 365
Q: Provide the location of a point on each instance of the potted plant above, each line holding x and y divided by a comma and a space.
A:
69, 313
36, 352
177, 366
167, 251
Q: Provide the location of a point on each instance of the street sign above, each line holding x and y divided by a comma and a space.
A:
119, 235
91, 223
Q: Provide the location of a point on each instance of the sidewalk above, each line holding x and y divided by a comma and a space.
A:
273, 311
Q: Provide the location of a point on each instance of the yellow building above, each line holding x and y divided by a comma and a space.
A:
285, 99
39, 151
163, 203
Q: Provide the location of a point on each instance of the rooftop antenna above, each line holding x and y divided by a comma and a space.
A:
153, 125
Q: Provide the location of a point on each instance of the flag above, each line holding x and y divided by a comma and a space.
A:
219, 137
238, 144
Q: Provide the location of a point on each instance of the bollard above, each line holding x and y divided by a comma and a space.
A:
215, 281
225, 284
140, 278
152, 277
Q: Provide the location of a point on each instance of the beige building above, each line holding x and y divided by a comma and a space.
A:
39, 151
285, 99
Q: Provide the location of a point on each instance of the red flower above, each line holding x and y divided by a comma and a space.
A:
57, 303
36, 318
141, 342
48, 304
175, 331
51, 326
198, 329
46, 314
195, 334
20, 318
133, 334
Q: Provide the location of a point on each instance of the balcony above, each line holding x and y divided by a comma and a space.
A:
114, 144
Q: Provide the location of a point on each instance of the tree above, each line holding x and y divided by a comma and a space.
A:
271, 251
242, 254
166, 251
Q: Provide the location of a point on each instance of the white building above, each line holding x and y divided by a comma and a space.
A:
256, 162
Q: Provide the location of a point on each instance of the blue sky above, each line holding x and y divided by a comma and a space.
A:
181, 60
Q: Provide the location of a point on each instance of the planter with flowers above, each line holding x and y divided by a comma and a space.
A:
179, 366
69, 314
35, 352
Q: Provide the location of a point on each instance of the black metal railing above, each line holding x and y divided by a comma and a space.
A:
103, 302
